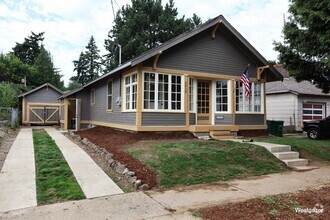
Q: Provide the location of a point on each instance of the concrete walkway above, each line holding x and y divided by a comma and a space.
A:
92, 179
17, 177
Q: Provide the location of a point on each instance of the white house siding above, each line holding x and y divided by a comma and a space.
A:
283, 107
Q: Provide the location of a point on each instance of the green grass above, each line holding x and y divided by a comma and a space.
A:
317, 148
194, 162
54, 178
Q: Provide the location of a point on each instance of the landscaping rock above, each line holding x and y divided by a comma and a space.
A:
85, 141
78, 138
110, 161
108, 156
137, 184
144, 187
120, 168
132, 179
125, 171
129, 174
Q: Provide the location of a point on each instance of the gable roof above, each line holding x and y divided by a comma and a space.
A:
274, 74
40, 87
290, 85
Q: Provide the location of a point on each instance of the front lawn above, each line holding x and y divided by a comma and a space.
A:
194, 162
317, 148
54, 178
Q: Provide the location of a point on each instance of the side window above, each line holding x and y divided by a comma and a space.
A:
93, 97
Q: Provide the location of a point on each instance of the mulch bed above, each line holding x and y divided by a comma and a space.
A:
114, 140
282, 207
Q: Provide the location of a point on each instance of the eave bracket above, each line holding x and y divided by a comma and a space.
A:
154, 65
214, 31
260, 71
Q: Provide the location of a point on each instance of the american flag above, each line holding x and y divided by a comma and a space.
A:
246, 82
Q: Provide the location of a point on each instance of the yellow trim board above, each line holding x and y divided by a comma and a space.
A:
106, 124
43, 103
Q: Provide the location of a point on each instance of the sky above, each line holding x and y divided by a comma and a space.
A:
68, 25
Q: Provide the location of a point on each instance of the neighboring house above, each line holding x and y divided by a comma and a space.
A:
41, 105
294, 102
190, 83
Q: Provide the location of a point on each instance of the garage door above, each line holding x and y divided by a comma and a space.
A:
44, 114
313, 111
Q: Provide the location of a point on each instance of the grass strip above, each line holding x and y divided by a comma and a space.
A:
186, 163
54, 178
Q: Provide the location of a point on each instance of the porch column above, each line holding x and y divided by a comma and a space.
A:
186, 98
139, 101
66, 113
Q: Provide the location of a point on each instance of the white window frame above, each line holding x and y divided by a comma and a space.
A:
193, 95
323, 115
169, 93
229, 96
107, 101
130, 85
252, 97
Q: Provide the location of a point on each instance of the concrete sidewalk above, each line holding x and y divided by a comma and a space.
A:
17, 177
92, 179
239, 190
138, 205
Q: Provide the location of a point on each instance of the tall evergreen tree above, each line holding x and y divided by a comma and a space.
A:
306, 47
45, 70
29, 50
89, 64
143, 25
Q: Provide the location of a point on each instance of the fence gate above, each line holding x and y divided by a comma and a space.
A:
44, 114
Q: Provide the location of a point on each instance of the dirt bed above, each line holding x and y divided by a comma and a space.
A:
114, 140
7, 138
276, 207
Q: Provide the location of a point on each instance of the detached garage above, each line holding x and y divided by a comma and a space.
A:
41, 105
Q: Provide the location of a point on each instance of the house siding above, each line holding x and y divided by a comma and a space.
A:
163, 119
223, 119
249, 119
192, 118
283, 107
84, 96
202, 54
44, 95
98, 111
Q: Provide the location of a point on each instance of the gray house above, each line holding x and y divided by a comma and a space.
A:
41, 105
190, 83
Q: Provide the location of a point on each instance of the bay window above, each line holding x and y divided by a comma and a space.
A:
249, 104
162, 92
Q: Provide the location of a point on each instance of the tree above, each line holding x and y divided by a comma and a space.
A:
12, 69
45, 70
306, 47
73, 85
89, 64
143, 25
8, 96
29, 50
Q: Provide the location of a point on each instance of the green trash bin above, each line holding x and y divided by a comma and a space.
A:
275, 127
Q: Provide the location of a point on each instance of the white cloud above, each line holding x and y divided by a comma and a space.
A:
69, 25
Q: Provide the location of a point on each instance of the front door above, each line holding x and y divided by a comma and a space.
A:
203, 102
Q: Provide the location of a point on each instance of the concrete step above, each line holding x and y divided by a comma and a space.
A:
296, 162
287, 155
219, 133
274, 148
222, 137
